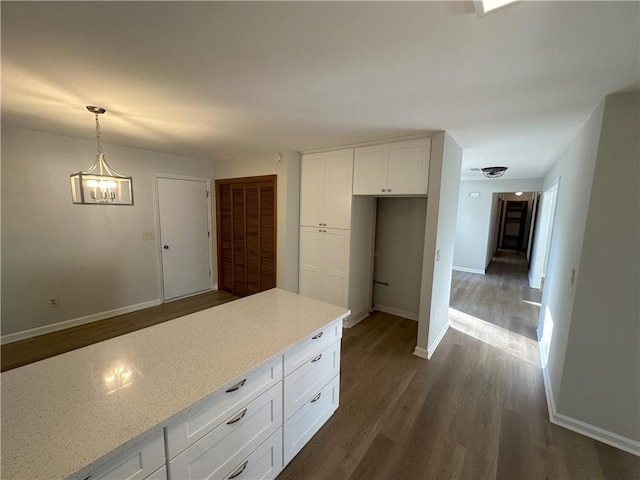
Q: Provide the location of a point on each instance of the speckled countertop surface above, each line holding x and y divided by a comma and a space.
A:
65, 413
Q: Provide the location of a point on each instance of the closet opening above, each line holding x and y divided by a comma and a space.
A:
398, 254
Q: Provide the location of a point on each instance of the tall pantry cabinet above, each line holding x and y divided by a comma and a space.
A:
337, 233
325, 223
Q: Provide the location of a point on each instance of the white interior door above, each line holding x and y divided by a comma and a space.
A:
184, 219
542, 243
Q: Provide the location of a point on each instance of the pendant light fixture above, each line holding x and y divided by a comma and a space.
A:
101, 184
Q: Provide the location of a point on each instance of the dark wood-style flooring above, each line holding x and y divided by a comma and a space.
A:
23, 352
476, 410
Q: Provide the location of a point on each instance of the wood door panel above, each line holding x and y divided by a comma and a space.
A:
246, 234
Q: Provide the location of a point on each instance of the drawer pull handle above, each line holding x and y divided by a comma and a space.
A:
237, 386
238, 470
316, 398
316, 359
237, 418
317, 336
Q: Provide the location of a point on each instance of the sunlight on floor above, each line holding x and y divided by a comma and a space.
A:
535, 304
512, 343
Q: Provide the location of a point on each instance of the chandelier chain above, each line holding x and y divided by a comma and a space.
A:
98, 134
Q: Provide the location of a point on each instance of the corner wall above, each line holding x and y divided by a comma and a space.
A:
440, 232
92, 258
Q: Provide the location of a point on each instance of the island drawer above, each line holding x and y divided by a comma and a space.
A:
137, 462
224, 448
265, 463
304, 424
303, 384
185, 431
297, 356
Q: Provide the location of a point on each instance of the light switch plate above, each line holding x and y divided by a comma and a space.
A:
148, 236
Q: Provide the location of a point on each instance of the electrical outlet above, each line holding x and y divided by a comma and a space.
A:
54, 302
148, 236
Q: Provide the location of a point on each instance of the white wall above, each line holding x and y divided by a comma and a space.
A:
362, 235
440, 232
594, 358
473, 235
287, 209
92, 257
399, 245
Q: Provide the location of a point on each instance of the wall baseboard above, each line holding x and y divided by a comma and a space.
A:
431, 349
396, 311
34, 332
353, 320
583, 428
420, 352
469, 270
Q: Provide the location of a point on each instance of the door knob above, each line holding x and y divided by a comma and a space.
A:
166, 247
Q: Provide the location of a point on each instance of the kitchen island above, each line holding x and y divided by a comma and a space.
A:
77, 414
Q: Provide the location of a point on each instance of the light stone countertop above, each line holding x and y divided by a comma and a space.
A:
66, 414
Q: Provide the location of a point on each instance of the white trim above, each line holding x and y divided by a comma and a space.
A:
395, 311
420, 352
34, 332
578, 426
431, 349
353, 320
415, 136
469, 270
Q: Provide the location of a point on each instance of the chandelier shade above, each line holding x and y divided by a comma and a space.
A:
101, 184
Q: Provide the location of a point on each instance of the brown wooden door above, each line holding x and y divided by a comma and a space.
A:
246, 220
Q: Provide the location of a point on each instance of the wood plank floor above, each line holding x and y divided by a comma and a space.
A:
23, 352
476, 410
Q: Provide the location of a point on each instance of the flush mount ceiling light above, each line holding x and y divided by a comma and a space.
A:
101, 184
483, 7
519, 194
494, 172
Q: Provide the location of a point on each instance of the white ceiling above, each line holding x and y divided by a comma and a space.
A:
219, 80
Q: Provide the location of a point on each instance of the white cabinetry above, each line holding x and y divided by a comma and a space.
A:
325, 196
398, 168
311, 387
145, 460
324, 264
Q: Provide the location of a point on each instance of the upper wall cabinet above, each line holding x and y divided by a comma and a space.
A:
399, 168
325, 189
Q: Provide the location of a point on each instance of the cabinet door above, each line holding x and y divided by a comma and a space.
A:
335, 267
310, 261
409, 167
370, 170
338, 185
312, 189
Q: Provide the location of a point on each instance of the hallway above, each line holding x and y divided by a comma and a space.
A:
498, 308
477, 409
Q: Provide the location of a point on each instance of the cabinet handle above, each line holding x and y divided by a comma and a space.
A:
237, 386
237, 418
383, 190
388, 190
320, 224
317, 336
316, 398
316, 359
324, 224
238, 471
